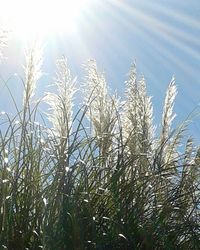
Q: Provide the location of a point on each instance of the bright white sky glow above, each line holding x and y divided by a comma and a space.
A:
33, 18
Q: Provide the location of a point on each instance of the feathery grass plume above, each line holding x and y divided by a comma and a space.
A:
168, 115
101, 107
138, 116
165, 140
33, 73
61, 103
130, 117
145, 110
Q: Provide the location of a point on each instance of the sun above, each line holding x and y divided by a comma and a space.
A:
38, 18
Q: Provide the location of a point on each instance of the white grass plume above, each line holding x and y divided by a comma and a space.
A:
168, 115
130, 117
138, 126
145, 117
101, 107
168, 144
33, 72
61, 103
95, 91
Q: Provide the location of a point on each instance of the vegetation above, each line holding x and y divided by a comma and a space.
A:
101, 178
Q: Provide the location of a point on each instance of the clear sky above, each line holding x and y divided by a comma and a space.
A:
162, 36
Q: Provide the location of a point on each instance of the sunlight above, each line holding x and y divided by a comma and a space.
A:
36, 18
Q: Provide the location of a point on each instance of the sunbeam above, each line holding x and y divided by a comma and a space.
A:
35, 18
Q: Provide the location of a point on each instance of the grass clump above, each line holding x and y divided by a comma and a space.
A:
102, 178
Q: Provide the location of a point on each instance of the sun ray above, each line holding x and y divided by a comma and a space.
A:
151, 29
37, 18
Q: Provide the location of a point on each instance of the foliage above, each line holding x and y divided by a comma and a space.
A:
117, 184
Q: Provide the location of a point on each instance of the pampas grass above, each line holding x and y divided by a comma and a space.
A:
60, 111
32, 71
118, 184
102, 108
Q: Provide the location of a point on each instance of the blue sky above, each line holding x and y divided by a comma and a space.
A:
162, 36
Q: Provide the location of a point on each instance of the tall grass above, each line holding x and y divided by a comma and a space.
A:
117, 183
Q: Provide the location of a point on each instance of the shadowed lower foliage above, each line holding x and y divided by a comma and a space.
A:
117, 183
